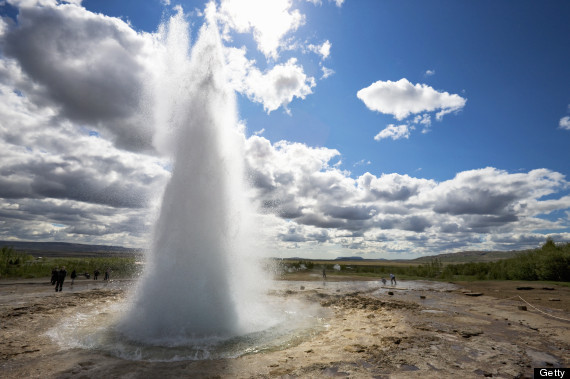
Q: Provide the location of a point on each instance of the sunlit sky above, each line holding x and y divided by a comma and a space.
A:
381, 129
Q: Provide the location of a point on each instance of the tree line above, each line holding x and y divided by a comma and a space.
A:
549, 262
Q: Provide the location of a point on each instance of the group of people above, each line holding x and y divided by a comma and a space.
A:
392, 280
58, 276
97, 273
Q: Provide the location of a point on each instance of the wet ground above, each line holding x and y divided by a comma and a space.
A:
361, 329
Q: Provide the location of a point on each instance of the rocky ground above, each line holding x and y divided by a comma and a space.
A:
413, 330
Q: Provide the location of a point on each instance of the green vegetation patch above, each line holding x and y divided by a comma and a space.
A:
18, 265
551, 262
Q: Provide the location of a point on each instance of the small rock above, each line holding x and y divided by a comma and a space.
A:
422, 297
522, 307
302, 287
470, 333
553, 299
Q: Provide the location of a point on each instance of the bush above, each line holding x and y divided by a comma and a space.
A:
550, 262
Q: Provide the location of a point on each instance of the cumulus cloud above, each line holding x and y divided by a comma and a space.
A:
564, 123
59, 183
274, 88
272, 25
394, 131
323, 50
326, 72
270, 21
473, 210
87, 66
403, 98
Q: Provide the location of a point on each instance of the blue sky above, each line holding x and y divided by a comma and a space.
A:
458, 111
510, 61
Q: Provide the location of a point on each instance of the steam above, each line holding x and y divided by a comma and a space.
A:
202, 279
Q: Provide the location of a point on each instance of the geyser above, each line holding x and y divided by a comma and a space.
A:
198, 282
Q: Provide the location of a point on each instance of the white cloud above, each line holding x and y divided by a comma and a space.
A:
429, 73
403, 98
326, 72
323, 50
270, 21
274, 88
424, 119
394, 131
53, 172
88, 66
362, 162
478, 209
338, 3
564, 123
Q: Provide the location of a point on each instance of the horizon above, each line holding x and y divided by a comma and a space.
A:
385, 130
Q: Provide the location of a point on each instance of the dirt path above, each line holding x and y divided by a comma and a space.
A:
418, 329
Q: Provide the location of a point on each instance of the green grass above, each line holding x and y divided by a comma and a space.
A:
17, 265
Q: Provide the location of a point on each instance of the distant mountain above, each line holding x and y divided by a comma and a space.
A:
64, 249
349, 259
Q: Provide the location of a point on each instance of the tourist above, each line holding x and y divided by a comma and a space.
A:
106, 274
96, 274
324, 273
383, 281
392, 280
73, 276
54, 276
62, 273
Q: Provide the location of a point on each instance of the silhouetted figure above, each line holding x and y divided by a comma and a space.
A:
61, 274
106, 275
54, 276
324, 273
96, 274
383, 281
73, 276
392, 280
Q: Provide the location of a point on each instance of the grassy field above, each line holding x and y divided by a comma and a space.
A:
17, 265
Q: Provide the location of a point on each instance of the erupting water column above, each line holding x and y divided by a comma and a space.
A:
197, 282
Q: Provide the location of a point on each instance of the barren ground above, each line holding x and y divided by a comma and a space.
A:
421, 329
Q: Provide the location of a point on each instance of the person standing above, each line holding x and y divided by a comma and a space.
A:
54, 272
393, 280
73, 276
61, 274
96, 274
106, 274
